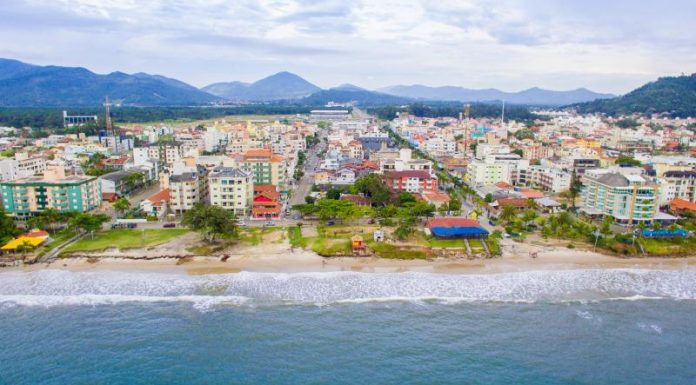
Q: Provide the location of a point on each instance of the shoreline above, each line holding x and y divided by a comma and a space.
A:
283, 259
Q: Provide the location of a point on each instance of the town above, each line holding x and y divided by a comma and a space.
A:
343, 183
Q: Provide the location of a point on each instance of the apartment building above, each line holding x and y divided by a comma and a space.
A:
231, 189
188, 188
166, 153
28, 165
412, 181
405, 162
677, 185
29, 196
549, 179
266, 167
628, 198
494, 168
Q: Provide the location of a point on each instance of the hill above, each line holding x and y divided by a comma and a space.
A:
281, 86
360, 96
27, 85
674, 96
532, 96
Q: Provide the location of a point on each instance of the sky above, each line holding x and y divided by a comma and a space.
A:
604, 45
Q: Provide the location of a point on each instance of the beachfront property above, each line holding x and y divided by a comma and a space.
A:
627, 197
265, 166
455, 228
416, 182
231, 189
25, 197
677, 185
188, 188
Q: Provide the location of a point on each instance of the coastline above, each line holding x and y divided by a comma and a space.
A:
282, 258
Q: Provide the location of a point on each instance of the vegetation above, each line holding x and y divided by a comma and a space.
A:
210, 221
674, 96
88, 223
8, 228
452, 109
124, 239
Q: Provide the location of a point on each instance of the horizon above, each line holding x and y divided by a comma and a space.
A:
607, 48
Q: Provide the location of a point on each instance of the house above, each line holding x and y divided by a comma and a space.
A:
681, 206
266, 203
455, 227
436, 198
156, 204
357, 199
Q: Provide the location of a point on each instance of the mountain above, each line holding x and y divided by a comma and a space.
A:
532, 96
27, 85
360, 96
281, 86
348, 87
674, 95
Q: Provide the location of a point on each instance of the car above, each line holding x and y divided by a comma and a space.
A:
371, 221
117, 225
169, 225
331, 223
296, 217
132, 225
241, 223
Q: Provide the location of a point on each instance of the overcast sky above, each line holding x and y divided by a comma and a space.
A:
605, 45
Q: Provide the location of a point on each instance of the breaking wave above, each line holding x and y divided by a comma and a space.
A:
58, 287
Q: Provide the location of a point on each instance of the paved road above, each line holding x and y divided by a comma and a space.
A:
301, 189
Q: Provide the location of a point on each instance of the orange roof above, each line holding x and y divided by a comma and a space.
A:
531, 194
258, 152
436, 197
258, 188
681, 204
515, 202
36, 233
503, 184
452, 222
163, 195
265, 210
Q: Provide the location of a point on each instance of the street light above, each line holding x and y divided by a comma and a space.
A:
597, 234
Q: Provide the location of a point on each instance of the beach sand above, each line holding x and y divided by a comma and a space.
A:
280, 257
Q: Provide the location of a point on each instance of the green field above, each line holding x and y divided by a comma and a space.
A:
124, 239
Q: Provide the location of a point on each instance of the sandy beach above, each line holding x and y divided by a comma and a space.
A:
280, 257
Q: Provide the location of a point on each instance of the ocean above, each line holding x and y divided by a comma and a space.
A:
620, 326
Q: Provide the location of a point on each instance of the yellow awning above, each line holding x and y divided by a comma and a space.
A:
15, 243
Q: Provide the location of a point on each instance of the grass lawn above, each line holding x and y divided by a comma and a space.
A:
254, 235
475, 244
59, 238
386, 250
670, 246
125, 239
296, 238
446, 243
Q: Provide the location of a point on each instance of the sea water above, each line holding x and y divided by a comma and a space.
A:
620, 326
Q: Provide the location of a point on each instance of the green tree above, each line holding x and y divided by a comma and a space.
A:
405, 197
210, 221
333, 193
122, 205
508, 214
454, 204
373, 187
88, 223
8, 228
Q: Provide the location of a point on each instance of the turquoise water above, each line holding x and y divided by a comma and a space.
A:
558, 327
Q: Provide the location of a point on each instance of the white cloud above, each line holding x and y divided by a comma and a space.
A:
606, 46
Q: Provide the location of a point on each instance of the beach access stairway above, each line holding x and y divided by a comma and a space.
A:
53, 254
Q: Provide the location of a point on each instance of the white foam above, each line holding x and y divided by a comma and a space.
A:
60, 287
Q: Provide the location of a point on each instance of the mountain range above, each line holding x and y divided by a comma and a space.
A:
281, 86
673, 95
532, 96
28, 85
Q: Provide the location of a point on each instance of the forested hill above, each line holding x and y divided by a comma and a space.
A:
674, 95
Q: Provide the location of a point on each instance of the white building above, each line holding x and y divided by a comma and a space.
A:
231, 189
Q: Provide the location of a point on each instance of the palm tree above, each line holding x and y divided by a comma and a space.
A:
508, 214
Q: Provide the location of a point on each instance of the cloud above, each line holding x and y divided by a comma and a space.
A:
609, 46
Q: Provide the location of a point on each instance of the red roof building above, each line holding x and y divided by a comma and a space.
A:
416, 181
266, 204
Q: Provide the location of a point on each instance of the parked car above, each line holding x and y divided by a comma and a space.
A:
169, 225
117, 225
331, 223
296, 217
241, 224
371, 221
132, 225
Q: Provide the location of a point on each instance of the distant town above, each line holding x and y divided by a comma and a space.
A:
343, 183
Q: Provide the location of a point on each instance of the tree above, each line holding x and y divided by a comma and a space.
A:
310, 199
134, 180
333, 193
489, 198
508, 214
210, 221
405, 197
454, 204
122, 205
373, 187
8, 228
575, 188
88, 223
306, 209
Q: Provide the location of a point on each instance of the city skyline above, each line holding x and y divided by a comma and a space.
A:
507, 45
